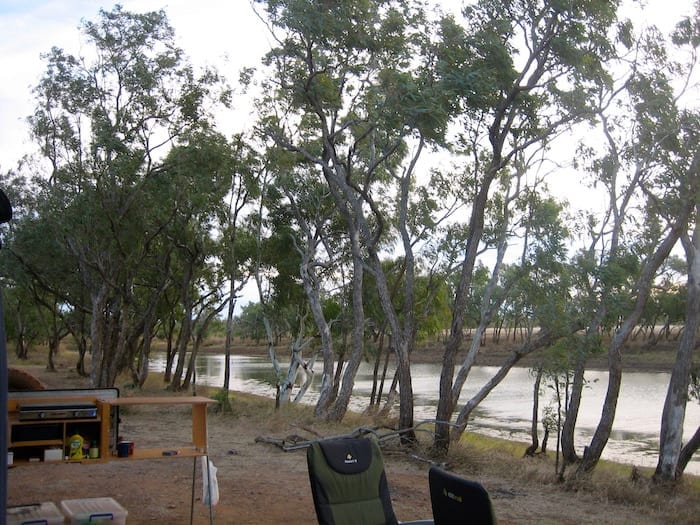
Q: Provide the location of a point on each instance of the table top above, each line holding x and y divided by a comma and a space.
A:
162, 400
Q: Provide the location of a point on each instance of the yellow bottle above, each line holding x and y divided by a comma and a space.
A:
75, 447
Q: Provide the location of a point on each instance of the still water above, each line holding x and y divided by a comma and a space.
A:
506, 412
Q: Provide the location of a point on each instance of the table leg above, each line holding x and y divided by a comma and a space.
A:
194, 473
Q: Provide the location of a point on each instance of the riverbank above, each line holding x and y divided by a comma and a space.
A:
259, 483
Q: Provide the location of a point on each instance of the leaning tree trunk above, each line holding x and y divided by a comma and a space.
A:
170, 350
82, 344
325, 394
122, 327
690, 448
142, 363
535, 440
446, 402
97, 329
54, 341
544, 339
566, 440
401, 339
405, 391
296, 366
340, 407
673, 416
312, 288
602, 433
231, 303
181, 352
185, 327
567, 437
21, 350
202, 326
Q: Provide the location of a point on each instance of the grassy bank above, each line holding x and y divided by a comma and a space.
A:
489, 458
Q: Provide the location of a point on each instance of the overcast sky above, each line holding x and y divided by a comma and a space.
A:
225, 33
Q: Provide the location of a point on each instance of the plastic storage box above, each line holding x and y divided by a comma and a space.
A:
53, 454
44, 513
94, 510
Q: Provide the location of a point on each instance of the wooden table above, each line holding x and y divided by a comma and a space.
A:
199, 405
102, 428
200, 442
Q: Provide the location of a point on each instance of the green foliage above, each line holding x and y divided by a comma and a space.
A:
111, 209
222, 397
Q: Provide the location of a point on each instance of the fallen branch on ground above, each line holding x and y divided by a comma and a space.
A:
382, 434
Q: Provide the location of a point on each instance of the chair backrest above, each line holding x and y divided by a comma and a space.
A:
348, 482
458, 501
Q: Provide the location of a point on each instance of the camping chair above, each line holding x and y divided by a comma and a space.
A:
458, 501
348, 483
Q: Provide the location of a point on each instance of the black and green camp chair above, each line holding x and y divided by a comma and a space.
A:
349, 484
458, 501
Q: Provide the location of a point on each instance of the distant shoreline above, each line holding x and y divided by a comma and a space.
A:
638, 356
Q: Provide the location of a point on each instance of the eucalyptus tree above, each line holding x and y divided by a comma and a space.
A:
104, 120
431, 306
607, 266
650, 163
41, 269
345, 94
665, 310
275, 262
210, 305
248, 324
237, 239
150, 307
287, 254
537, 288
642, 287
317, 239
670, 466
603, 279
30, 302
20, 325
199, 179
684, 165
520, 72
692, 445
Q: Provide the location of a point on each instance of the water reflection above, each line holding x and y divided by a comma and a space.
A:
506, 412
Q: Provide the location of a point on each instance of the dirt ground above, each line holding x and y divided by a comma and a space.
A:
259, 483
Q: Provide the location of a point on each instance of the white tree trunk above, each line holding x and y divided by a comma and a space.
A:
673, 416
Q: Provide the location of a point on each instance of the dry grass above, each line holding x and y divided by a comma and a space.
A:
610, 483
492, 458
